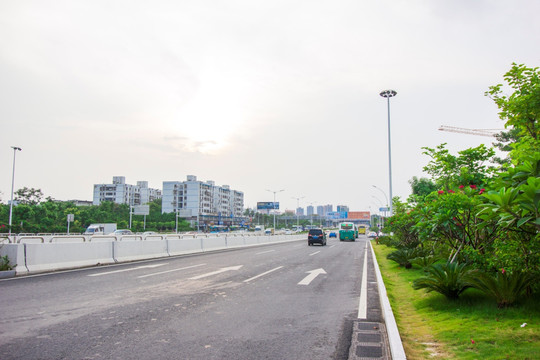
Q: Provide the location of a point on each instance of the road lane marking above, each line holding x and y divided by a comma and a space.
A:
264, 273
315, 253
264, 252
332, 246
216, 272
312, 275
169, 271
362, 306
130, 269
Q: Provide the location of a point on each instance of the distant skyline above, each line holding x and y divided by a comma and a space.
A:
252, 94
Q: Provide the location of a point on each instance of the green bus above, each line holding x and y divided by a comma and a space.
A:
347, 231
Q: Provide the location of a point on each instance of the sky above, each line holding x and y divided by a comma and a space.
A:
257, 95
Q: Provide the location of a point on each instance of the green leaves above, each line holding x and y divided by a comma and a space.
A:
448, 279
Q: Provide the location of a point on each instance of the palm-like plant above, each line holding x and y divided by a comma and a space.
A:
403, 257
448, 279
505, 287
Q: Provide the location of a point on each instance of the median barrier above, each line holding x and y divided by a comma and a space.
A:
139, 250
60, 256
67, 239
31, 240
214, 243
129, 238
184, 245
102, 238
234, 241
15, 254
250, 240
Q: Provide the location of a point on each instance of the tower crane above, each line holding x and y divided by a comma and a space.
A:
479, 132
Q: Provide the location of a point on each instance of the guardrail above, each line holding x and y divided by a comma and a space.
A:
33, 254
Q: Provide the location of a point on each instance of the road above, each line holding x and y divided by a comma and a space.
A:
280, 301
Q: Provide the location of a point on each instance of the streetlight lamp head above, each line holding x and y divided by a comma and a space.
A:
16, 148
388, 93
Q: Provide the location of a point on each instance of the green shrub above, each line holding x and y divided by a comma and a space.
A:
448, 279
4, 264
403, 257
504, 286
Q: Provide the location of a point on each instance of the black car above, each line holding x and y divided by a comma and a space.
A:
316, 236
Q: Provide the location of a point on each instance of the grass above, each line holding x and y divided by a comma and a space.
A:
472, 327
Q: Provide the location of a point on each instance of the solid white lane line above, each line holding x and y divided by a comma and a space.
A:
315, 253
169, 271
332, 246
362, 307
264, 273
264, 252
129, 269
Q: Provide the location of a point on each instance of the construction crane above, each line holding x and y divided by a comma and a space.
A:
479, 132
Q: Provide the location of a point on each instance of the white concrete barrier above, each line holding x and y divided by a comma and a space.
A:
214, 243
59, 256
182, 246
15, 254
139, 250
234, 241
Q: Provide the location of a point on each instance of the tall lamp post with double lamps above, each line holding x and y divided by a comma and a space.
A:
274, 204
388, 94
15, 149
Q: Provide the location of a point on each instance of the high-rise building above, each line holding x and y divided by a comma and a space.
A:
342, 208
197, 198
121, 193
300, 211
309, 210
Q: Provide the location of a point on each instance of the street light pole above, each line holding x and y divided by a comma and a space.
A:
15, 149
297, 207
388, 94
274, 204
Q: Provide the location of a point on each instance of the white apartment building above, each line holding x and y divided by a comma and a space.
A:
121, 193
194, 198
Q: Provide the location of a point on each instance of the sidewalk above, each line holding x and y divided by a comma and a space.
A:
375, 335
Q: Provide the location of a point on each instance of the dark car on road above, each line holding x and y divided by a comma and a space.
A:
316, 236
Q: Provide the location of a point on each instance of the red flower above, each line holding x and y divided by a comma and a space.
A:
451, 191
440, 192
482, 191
472, 341
461, 186
503, 271
473, 186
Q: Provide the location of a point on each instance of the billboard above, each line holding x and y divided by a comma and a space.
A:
336, 215
141, 210
359, 215
269, 205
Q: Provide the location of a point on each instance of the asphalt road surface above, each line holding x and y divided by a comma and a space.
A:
280, 301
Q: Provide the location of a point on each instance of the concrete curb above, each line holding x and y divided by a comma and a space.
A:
396, 346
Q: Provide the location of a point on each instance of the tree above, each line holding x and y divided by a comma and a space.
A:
521, 109
29, 196
422, 186
469, 167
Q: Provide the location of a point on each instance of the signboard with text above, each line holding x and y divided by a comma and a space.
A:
269, 205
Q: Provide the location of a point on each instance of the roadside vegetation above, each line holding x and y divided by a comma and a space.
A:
33, 215
464, 252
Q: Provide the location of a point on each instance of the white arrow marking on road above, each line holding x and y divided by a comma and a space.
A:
130, 269
216, 272
312, 275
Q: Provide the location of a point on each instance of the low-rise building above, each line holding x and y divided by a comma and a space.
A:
121, 193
